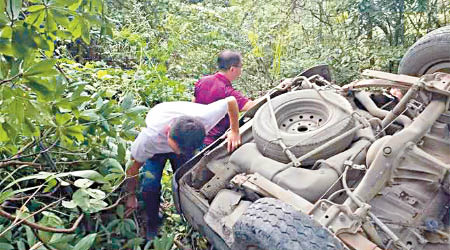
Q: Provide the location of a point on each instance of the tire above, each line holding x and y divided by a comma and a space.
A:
429, 54
306, 121
272, 224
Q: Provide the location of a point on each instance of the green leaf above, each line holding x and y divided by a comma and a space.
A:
96, 205
16, 109
75, 131
28, 127
23, 41
60, 18
6, 246
6, 47
6, 32
3, 135
21, 245
136, 110
13, 8
75, 27
50, 22
69, 204
35, 8
62, 119
31, 238
62, 238
39, 85
45, 67
3, 18
88, 174
75, 5
121, 152
50, 184
81, 198
86, 242
89, 115
113, 165
35, 18
96, 194
83, 183
5, 195
85, 32
127, 101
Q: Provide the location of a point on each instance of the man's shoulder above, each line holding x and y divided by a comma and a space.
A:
214, 78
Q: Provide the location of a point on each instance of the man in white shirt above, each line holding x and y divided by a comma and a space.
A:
174, 130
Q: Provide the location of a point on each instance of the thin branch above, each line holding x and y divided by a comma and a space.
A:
116, 203
76, 162
11, 79
20, 198
12, 163
38, 153
44, 228
31, 143
37, 245
18, 221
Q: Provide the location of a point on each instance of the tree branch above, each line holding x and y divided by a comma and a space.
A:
10, 163
11, 79
44, 228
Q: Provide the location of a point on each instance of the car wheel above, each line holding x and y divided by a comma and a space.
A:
429, 54
306, 120
272, 224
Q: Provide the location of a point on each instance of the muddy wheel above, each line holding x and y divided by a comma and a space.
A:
272, 224
429, 54
306, 120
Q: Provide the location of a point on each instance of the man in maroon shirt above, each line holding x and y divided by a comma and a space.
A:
218, 86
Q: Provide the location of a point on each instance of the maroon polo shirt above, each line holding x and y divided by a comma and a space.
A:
212, 88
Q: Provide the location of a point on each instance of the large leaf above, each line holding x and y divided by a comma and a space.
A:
3, 135
81, 198
13, 8
83, 183
88, 174
6, 246
113, 165
45, 67
86, 242
96, 194
39, 85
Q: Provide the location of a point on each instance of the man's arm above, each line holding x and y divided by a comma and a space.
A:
131, 185
251, 103
233, 137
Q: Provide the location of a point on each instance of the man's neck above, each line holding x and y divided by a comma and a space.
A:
227, 75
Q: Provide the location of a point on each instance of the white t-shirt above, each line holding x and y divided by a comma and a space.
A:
153, 138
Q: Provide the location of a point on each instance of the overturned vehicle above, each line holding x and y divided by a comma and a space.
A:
324, 166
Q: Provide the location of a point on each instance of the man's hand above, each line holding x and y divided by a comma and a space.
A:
233, 140
132, 173
396, 92
233, 137
131, 205
285, 84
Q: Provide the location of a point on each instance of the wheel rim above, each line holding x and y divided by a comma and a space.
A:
439, 67
302, 116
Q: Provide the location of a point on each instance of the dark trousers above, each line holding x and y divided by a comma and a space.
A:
151, 184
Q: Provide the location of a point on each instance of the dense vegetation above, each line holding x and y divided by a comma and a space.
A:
77, 76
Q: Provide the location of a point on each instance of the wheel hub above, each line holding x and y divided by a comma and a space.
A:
312, 116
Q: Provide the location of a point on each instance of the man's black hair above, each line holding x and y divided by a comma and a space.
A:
228, 58
188, 133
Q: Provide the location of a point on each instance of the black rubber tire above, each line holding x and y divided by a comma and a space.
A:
337, 121
272, 224
427, 54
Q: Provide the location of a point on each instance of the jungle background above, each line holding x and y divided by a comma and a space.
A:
77, 77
